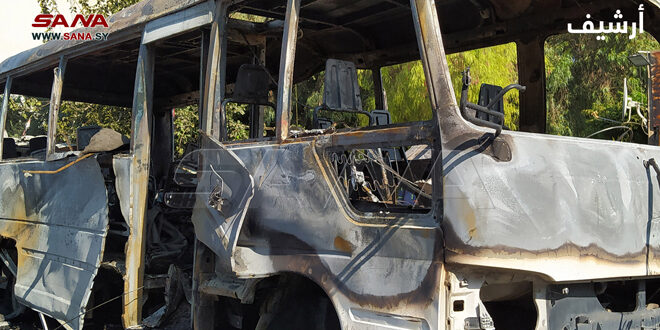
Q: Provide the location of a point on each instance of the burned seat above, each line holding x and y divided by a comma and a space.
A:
37, 145
9, 148
487, 94
251, 88
341, 92
84, 135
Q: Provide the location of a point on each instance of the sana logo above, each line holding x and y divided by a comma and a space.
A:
51, 21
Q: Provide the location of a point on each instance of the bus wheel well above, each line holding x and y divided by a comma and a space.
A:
9, 306
284, 301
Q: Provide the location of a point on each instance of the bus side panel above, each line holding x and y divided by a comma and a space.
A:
59, 224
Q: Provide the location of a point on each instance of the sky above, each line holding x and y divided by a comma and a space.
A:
16, 18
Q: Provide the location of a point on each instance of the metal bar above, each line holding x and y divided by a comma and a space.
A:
362, 112
441, 93
640, 296
9, 263
262, 109
273, 14
140, 147
379, 90
480, 122
374, 136
55, 102
178, 23
204, 56
257, 112
431, 48
287, 59
4, 110
43, 321
654, 165
531, 74
203, 304
397, 3
214, 88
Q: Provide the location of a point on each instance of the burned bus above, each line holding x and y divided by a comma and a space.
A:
354, 215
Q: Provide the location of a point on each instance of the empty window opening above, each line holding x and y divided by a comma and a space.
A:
395, 179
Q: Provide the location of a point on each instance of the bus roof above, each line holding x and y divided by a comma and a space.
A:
370, 33
123, 25
369, 27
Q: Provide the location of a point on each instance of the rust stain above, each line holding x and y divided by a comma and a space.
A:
470, 219
19, 225
343, 245
459, 252
426, 233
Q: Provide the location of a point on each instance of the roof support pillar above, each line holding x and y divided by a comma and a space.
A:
531, 73
287, 59
3, 112
55, 102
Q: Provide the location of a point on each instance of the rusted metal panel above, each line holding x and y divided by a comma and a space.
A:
224, 193
121, 166
438, 81
202, 304
287, 59
430, 45
299, 221
204, 59
177, 23
213, 120
140, 147
59, 223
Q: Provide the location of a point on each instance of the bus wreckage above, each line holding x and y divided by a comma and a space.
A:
452, 222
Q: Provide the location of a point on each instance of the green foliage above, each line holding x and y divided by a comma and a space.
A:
406, 90
48, 6
23, 109
366, 82
307, 95
404, 86
74, 115
407, 94
496, 65
105, 7
585, 83
248, 17
237, 119
558, 74
186, 128
85, 7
